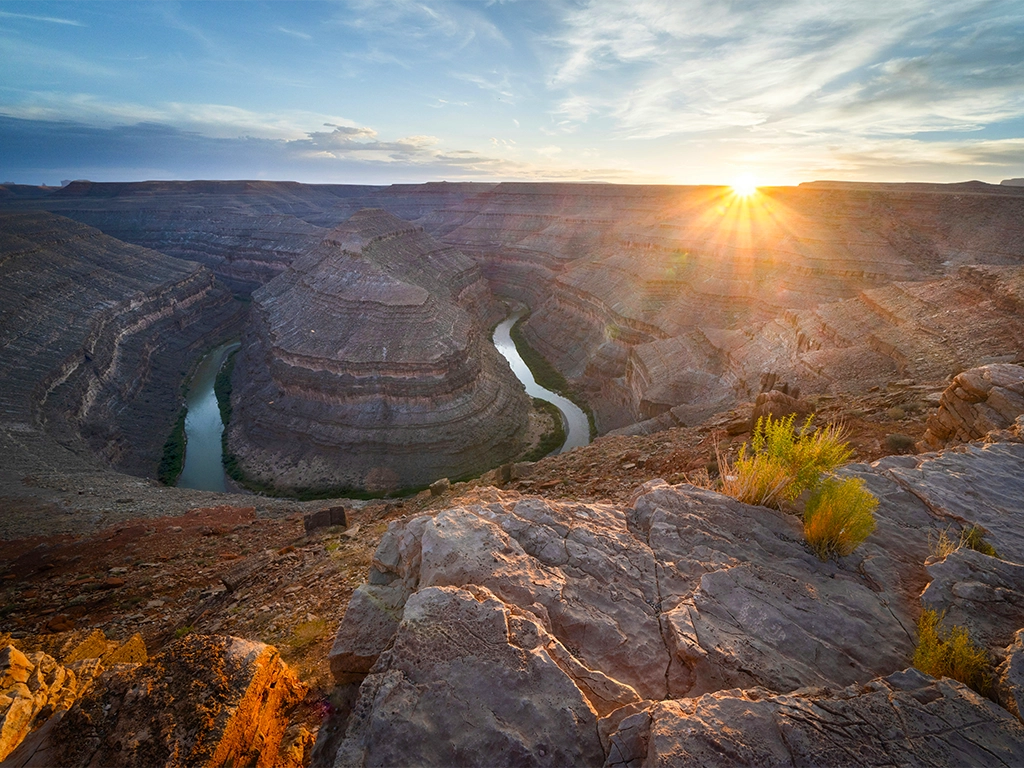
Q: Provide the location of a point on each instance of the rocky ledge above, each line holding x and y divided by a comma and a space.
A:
367, 366
686, 628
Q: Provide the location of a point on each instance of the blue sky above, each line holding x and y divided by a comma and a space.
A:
367, 91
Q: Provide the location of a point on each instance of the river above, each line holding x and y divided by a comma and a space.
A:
204, 468
577, 427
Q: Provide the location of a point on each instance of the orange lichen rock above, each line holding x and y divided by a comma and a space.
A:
205, 701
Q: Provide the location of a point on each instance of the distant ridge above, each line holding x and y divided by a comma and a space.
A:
918, 186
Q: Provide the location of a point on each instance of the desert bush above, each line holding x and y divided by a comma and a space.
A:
782, 462
898, 443
954, 655
838, 516
896, 413
972, 537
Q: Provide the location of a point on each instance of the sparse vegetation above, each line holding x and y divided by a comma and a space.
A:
973, 537
307, 633
899, 443
839, 516
174, 452
181, 632
954, 655
551, 439
782, 462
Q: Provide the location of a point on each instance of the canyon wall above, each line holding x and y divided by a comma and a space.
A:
96, 337
367, 365
651, 297
652, 300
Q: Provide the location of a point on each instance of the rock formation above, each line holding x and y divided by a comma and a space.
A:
204, 701
95, 339
685, 627
975, 403
367, 365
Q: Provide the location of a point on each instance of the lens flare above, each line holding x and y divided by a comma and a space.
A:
744, 186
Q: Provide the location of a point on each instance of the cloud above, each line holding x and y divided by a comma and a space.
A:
438, 28
294, 33
37, 151
660, 68
47, 19
215, 120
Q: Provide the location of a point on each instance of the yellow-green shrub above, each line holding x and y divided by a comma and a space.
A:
781, 463
955, 656
838, 516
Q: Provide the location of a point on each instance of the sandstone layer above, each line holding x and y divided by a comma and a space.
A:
651, 298
977, 402
96, 337
685, 628
367, 365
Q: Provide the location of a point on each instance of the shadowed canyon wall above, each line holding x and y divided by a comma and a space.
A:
96, 337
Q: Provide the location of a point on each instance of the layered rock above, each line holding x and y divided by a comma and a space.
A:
95, 339
367, 365
977, 402
246, 232
686, 627
734, 284
904, 719
205, 701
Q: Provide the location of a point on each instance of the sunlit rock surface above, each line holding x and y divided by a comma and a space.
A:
367, 365
684, 628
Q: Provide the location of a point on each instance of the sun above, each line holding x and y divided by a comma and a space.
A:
744, 186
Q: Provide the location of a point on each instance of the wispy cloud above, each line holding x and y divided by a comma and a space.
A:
659, 68
294, 33
423, 24
47, 19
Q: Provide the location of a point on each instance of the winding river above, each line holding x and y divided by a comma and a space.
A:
204, 470
577, 427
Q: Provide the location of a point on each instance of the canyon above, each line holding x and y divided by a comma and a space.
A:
631, 617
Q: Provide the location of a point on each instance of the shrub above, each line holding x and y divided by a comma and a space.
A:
954, 656
838, 517
973, 538
899, 443
782, 462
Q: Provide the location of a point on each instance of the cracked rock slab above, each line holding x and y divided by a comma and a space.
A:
907, 718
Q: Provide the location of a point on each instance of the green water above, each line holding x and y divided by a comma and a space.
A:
204, 470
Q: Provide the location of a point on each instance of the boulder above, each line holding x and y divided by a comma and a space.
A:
777, 405
204, 701
907, 718
977, 402
469, 681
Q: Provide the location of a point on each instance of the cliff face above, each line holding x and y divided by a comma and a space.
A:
246, 232
367, 365
95, 338
614, 273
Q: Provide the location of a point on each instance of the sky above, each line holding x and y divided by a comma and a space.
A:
389, 91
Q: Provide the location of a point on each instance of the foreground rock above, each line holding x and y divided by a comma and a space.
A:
368, 366
905, 719
492, 614
977, 402
205, 701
